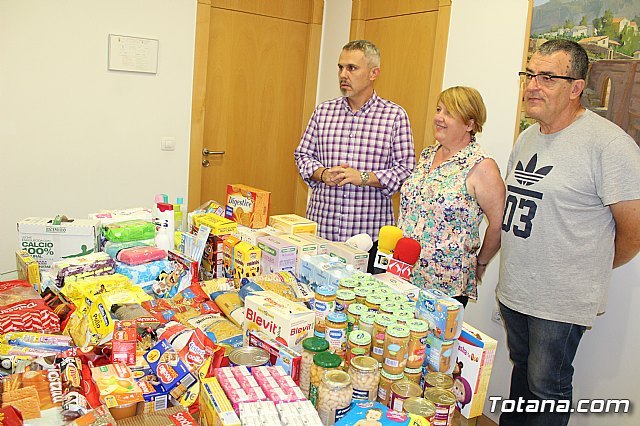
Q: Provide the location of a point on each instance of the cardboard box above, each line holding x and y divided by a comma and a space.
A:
219, 225
125, 336
277, 255
322, 243
116, 384
28, 269
293, 224
246, 261
211, 265
443, 313
279, 318
280, 355
48, 241
247, 206
173, 416
349, 255
476, 352
215, 408
173, 374
400, 286
249, 235
155, 396
304, 248
228, 265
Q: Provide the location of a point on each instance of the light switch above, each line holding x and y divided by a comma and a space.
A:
168, 144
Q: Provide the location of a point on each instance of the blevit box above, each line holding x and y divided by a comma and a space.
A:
279, 318
48, 242
303, 246
400, 286
247, 205
293, 224
277, 255
319, 241
246, 260
349, 255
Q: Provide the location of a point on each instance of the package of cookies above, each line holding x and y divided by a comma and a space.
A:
36, 394
247, 206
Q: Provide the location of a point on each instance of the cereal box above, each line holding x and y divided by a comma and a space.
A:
218, 224
319, 241
304, 247
246, 261
277, 255
279, 318
228, 265
247, 206
349, 255
249, 235
173, 374
293, 224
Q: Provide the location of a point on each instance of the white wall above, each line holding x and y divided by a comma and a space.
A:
485, 51
75, 136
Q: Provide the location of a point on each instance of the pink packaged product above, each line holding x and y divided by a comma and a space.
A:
277, 385
238, 388
140, 254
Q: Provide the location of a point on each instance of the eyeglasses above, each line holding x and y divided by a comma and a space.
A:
545, 80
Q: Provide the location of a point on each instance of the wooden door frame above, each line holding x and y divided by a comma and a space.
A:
199, 93
364, 10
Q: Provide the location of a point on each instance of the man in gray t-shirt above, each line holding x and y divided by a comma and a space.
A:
572, 213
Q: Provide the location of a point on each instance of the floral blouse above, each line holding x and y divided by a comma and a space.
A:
437, 211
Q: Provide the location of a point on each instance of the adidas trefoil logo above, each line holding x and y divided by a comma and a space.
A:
529, 175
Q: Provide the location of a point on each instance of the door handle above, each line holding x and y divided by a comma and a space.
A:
206, 152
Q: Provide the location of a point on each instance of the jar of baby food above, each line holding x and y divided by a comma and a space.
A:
380, 324
417, 342
325, 302
344, 298
353, 316
359, 344
366, 321
365, 377
310, 347
384, 387
395, 348
336, 332
373, 301
413, 374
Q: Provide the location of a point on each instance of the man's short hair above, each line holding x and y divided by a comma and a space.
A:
579, 58
370, 50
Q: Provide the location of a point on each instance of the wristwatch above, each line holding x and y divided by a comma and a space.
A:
365, 178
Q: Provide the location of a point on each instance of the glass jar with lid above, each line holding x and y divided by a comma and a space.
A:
413, 374
336, 332
384, 387
366, 321
365, 377
397, 298
324, 303
395, 348
359, 344
380, 324
388, 307
361, 293
353, 316
344, 298
334, 396
348, 284
310, 347
373, 301
403, 316
323, 361
417, 343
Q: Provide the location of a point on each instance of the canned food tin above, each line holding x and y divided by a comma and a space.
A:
445, 403
402, 390
249, 356
438, 380
420, 407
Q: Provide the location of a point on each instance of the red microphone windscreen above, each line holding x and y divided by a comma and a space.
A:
407, 251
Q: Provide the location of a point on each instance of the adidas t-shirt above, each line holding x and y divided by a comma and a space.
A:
557, 229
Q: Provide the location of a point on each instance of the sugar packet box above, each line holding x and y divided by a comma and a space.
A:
476, 352
49, 240
279, 318
443, 313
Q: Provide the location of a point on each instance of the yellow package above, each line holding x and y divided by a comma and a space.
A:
99, 313
28, 269
246, 261
247, 206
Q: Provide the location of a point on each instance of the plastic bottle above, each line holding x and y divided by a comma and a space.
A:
177, 214
164, 226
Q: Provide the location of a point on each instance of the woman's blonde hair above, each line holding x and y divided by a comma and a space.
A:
465, 103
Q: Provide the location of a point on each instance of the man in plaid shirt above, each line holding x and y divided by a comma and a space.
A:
356, 151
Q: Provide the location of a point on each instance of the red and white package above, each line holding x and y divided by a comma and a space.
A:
22, 309
192, 345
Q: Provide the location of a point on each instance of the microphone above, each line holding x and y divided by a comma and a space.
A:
405, 255
361, 242
387, 239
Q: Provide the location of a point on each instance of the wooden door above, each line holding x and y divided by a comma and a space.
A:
412, 38
254, 88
